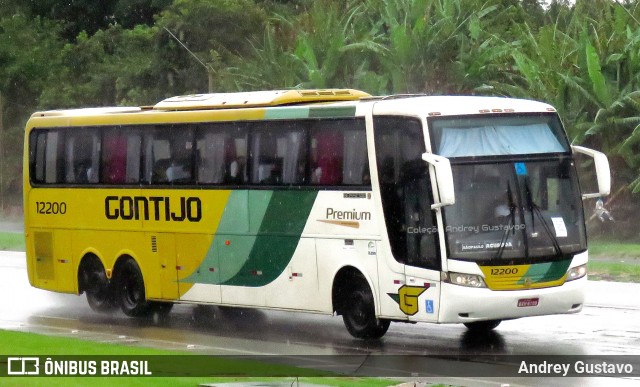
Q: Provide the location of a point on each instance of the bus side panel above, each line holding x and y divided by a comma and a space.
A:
423, 288
192, 268
162, 280
390, 279
181, 229
52, 261
297, 286
344, 226
334, 254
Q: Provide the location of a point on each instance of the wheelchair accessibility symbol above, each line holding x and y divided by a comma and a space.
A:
429, 306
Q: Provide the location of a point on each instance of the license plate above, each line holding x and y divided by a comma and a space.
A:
525, 302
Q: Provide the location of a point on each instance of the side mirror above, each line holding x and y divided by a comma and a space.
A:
603, 173
444, 180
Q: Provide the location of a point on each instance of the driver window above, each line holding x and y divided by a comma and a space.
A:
405, 188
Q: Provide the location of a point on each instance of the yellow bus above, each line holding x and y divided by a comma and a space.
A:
401, 208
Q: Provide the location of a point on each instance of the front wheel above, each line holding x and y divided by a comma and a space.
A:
482, 326
130, 290
359, 314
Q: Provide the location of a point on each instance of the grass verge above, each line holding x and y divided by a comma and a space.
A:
25, 344
614, 250
12, 241
613, 271
614, 261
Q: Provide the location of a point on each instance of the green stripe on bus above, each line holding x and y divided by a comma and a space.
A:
336, 111
286, 113
256, 252
277, 238
545, 272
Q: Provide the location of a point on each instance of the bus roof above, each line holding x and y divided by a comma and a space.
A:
258, 99
288, 104
431, 106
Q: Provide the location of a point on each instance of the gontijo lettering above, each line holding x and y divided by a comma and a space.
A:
153, 207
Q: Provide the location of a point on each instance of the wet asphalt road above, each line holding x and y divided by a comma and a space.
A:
608, 325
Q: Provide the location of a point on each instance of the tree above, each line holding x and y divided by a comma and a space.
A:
27, 48
212, 38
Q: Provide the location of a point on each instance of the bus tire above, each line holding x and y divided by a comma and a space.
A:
482, 326
94, 283
130, 290
359, 314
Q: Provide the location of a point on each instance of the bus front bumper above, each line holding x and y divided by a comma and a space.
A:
459, 304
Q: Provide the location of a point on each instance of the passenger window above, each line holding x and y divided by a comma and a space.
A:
169, 155
279, 154
82, 156
121, 156
339, 153
46, 155
221, 154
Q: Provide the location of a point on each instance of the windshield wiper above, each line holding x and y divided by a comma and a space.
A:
511, 222
535, 209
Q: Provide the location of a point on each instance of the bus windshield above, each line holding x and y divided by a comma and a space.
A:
515, 210
510, 207
474, 136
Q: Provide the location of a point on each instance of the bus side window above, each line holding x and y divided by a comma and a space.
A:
159, 174
82, 150
114, 159
279, 153
356, 164
37, 155
169, 155
329, 152
339, 153
50, 165
182, 152
221, 151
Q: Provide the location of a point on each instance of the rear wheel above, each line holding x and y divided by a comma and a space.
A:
359, 314
482, 326
130, 290
94, 282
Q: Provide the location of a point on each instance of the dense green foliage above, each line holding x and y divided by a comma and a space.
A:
583, 58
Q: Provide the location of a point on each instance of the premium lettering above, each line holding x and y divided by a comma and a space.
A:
158, 208
334, 214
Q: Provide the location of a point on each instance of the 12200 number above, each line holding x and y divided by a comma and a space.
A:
504, 271
51, 208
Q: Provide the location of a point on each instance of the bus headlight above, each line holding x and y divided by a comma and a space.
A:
577, 272
469, 280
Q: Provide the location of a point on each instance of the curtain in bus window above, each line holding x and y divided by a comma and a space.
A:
211, 149
259, 169
54, 160
148, 160
114, 166
38, 170
69, 151
134, 145
293, 165
94, 168
329, 158
498, 140
355, 157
